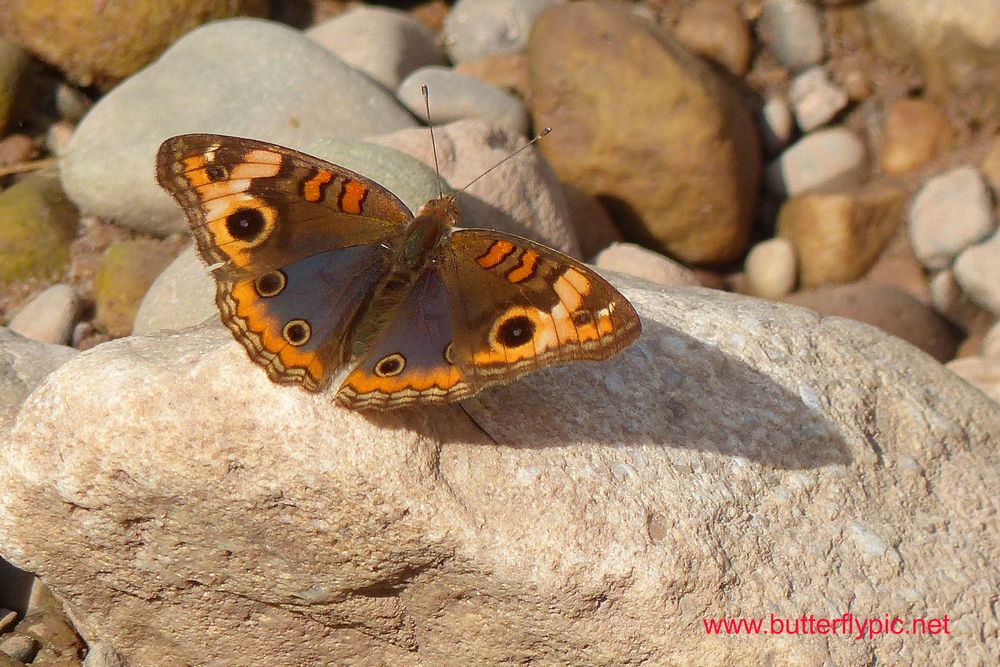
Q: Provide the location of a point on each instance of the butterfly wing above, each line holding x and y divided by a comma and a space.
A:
295, 244
520, 306
412, 361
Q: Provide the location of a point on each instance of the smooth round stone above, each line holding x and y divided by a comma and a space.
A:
915, 131
49, 317
123, 276
674, 157
717, 30
37, 224
182, 296
981, 372
770, 269
890, 309
455, 96
776, 125
644, 263
899, 267
508, 71
791, 29
283, 87
951, 212
591, 222
476, 29
13, 65
991, 341
386, 44
991, 165
839, 236
948, 299
24, 363
830, 159
977, 270
815, 100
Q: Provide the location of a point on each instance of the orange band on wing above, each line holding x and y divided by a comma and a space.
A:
524, 270
497, 253
352, 196
312, 189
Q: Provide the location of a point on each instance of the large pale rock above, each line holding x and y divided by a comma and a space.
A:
283, 88
743, 458
669, 147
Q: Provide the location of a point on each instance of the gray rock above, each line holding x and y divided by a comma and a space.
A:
634, 260
282, 87
950, 213
829, 159
49, 317
791, 28
740, 450
815, 99
476, 29
977, 270
24, 364
386, 44
456, 96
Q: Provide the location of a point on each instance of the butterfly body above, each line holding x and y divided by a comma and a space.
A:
321, 271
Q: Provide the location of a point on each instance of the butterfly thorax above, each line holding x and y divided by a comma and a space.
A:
419, 244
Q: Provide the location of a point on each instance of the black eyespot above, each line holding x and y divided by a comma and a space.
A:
246, 224
270, 284
297, 332
215, 172
390, 365
515, 331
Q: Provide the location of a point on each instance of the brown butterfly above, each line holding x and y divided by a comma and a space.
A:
319, 270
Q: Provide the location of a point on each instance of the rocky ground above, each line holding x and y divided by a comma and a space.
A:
842, 156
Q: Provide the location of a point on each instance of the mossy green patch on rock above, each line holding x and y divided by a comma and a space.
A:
37, 223
126, 271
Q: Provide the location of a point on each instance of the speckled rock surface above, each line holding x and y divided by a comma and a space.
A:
603, 520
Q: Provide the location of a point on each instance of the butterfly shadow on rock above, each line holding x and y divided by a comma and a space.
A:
669, 389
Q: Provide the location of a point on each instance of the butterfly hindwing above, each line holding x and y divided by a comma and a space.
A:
521, 306
413, 359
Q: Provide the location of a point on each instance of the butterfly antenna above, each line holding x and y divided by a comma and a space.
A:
427, 106
537, 137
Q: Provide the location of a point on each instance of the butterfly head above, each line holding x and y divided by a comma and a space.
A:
444, 209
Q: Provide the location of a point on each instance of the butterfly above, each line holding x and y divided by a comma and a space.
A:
321, 273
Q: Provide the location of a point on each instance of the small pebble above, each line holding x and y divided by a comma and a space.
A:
791, 28
776, 125
642, 263
456, 96
856, 86
991, 166
716, 30
7, 619
951, 212
58, 137
948, 299
71, 104
770, 269
507, 70
16, 148
977, 270
49, 317
915, 131
815, 99
386, 44
833, 158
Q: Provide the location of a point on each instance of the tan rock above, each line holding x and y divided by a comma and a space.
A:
770, 268
838, 236
915, 131
717, 30
991, 341
640, 262
102, 43
891, 310
163, 486
675, 158
37, 224
948, 299
982, 373
594, 228
898, 266
991, 166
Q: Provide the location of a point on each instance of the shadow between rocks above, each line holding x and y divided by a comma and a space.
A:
666, 390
